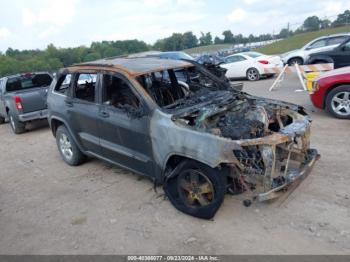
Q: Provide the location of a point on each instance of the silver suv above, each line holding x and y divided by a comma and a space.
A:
323, 43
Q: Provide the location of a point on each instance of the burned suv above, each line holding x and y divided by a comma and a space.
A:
199, 137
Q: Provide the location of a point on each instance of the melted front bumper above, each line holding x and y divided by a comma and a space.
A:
291, 177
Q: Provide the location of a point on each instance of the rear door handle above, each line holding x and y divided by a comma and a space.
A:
104, 114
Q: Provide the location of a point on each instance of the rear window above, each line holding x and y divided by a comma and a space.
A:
253, 54
28, 81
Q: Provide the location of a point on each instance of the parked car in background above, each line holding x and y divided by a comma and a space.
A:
323, 43
212, 62
250, 65
339, 56
175, 55
209, 61
199, 140
331, 91
23, 98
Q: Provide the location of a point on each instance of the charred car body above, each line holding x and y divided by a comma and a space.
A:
198, 137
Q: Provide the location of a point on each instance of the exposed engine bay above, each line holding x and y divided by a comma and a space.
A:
272, 137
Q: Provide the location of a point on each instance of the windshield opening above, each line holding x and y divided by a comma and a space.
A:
178, 88
28, 81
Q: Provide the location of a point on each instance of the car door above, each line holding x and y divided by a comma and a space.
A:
236, 66
124, 125
83, 110
341, 55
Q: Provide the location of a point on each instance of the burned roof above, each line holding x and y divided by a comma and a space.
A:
133, 66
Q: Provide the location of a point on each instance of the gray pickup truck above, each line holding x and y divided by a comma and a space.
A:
23, 98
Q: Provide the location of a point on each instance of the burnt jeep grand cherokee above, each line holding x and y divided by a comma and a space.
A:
181, 126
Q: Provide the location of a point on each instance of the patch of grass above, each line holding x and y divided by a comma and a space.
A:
299, 40
206, 48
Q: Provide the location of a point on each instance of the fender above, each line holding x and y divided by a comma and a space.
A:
10, 105
69, 130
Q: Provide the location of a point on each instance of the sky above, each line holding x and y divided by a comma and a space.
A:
33, 24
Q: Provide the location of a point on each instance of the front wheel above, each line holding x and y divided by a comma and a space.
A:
253, 74
69, 151
295, 60
196, 189
338, 102
17, 126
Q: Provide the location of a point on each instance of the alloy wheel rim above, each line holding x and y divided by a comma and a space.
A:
66, 147
252, 74
341, 103
195, 188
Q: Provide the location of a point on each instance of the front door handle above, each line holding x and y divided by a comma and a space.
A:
104, 114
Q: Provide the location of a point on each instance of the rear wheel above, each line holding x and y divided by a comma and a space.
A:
69, 151
2, 120
253, 74
17, 126
338, 102
295, 60
196, 189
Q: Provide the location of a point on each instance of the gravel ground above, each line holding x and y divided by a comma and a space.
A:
47, 207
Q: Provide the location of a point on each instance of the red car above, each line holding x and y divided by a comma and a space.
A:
331, 91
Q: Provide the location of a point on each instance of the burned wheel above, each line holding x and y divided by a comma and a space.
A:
196, 189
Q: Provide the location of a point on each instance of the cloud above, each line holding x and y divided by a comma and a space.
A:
237, 15
4, 33
57, 13
250, 2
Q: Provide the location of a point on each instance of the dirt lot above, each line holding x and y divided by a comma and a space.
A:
47, 207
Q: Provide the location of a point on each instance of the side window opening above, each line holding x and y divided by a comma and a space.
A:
318, 44
172, 88
336, 40
63, 84
117, 93
347, 46
85, 84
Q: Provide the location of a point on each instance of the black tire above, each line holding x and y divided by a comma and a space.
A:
319, 62
17, 126
253, 74
202, 205
75, 157
333, 100
2, 120
295, 60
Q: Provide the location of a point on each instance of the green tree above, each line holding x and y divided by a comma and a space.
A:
217, 40
92, 56
189, 40
342, 19
284, 33
228, 37
312, 23
205, 39
112, 51
325, 23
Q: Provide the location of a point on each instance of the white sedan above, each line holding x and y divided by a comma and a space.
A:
250, 65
